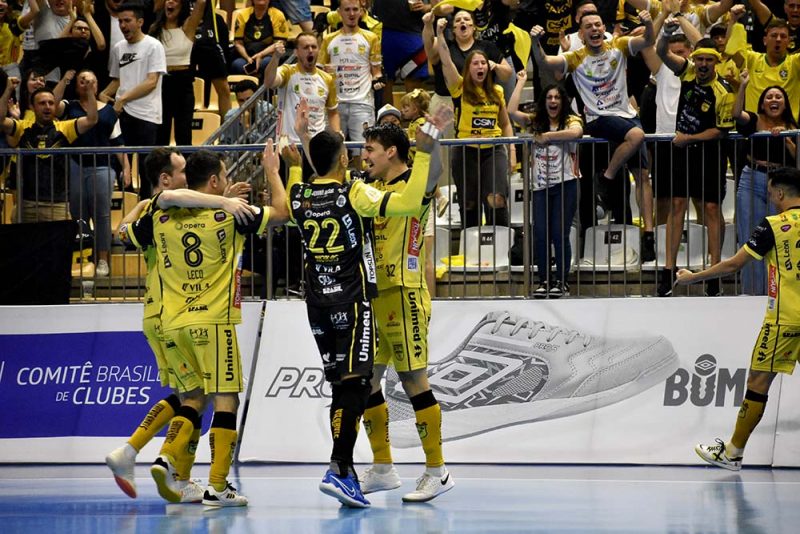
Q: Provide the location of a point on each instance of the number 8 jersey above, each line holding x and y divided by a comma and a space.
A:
199, 252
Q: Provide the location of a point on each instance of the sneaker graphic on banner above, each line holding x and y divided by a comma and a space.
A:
512, 370
375, 480
429, 486
717, 455
345, 489
121, 461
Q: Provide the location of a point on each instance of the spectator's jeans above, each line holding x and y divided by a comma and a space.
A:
296, 11
553, 212
752, 205
90, 198
177, 94
353, 116
478, 173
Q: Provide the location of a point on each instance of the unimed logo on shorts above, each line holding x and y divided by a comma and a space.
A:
706, 385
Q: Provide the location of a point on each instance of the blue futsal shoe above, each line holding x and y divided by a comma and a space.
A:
346, 489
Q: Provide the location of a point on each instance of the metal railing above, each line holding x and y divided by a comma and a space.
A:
495, 258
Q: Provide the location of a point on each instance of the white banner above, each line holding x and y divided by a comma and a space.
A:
641, 381
787, 435
75, 381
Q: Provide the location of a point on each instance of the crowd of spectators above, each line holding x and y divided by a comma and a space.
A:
618, 68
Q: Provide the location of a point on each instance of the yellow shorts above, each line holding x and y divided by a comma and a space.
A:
159, 344
402, 315
776, 348
206, 356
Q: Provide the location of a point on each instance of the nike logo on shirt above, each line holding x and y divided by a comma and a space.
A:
127, 59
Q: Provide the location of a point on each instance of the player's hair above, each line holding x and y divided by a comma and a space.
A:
158, 161
705, 43
471, 90
541, 119
582, 3
387, 135
245, 85
787, 115
201, 166
324, 150
717, 30
775, 22
788, 178
136, 7
419, 98
595, 13
306, 34
40, 91
680, 38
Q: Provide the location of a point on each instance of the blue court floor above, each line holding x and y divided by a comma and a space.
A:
82, 499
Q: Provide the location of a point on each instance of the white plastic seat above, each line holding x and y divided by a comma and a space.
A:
729, 245
729, 202
516, 206
573, 241
485, 248
441, 246
612, 247
692, 250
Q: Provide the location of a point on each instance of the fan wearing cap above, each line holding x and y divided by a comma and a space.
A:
704, 116
390, 114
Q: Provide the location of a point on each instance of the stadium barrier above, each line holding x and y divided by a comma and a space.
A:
484, 261
75, 381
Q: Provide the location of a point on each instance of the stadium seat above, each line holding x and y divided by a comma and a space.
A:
612, 247
121, 204
691, 252
516, 205
729, 244
485, 248
441, 246
204, 123
729, 202
199, 86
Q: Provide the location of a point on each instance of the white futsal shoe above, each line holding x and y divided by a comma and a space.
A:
227, 497
121, 461
191, 490
380, 479
718, 455
166, 478
430, 486
512, 370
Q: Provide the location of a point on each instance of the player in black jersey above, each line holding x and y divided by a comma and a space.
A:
334, 217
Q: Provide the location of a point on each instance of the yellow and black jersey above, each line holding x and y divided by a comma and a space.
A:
257, 34
786, 74
476, 120
398, 242
199, 262
152, 283
703, 106
776, 240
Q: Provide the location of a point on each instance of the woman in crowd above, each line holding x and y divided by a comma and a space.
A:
175, 27
256, 32
555, 187
762, 154
91, 177
480, 172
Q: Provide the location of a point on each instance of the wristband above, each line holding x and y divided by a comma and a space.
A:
431, 130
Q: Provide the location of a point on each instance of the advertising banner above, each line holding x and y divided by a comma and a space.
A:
75, 381
559, 381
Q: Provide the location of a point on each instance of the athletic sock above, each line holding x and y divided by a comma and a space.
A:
179, 434
222, 439
750, 413
157, 418
429, 426
185, 462
376, 423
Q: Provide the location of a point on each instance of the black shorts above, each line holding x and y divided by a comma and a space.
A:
345, 335
696, 171
209, 60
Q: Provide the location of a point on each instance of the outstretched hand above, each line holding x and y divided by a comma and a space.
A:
238, 189
435, 124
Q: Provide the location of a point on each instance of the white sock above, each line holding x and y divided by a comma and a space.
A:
382, 469
436, 471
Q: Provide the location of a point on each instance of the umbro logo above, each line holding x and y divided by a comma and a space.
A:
127, 59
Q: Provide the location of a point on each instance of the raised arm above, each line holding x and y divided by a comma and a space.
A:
761, 11
451, 75
428, 38
516, 115
194, 20
11, 86
271, 77
278, 206
674, 62
739, 114
94, 29
737, 12
715, 10
25, 21
556, 64
648, 39
88, 122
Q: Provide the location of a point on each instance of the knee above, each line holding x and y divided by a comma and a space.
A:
711, 210
496, 201
678, 205
635, 136
414, 382
352, 394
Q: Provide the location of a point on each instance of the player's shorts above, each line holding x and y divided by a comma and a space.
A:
208, 60
403, 315
776, 349
696, 171
403, 55
206, 357
159, 344
345, 337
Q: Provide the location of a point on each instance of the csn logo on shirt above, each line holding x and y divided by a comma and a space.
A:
483, 122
